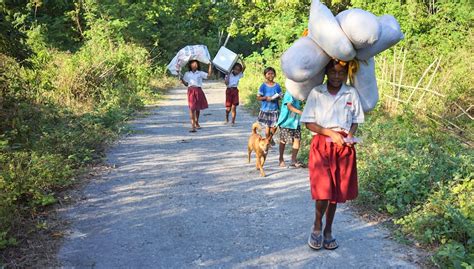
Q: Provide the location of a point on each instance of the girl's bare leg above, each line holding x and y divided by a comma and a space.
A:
282, 152
330, 213
321, 207
234, 113
198, 113
227, 112
294, 152
193, 119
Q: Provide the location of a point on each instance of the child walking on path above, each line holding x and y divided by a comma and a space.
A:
269, 93
290, 129
196, 98
232, 91
333, 111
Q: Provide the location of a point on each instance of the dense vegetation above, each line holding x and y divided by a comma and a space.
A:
71, 72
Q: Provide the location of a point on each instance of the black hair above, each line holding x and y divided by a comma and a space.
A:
198, 63
268, 69
239, 65
333, 63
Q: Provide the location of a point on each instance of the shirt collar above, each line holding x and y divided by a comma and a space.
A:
344, 90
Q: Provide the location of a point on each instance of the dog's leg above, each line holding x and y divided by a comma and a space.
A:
257, 161
249, 150
264, 158
261, 161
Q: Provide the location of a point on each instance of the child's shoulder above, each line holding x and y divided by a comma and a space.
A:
351, 90
319, 89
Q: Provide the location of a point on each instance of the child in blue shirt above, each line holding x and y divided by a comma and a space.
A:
268, 94
290, 129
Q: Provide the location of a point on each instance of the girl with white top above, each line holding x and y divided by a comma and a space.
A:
196, 98
332, 114
232, 91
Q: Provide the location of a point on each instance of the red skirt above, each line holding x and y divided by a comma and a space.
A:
196, 99
231, 97
332, 171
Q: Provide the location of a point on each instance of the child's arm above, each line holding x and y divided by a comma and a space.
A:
293, 109
183, 81
264, 98
352, 132
261, 97
335, 136
243, 64
209, 71
226, 80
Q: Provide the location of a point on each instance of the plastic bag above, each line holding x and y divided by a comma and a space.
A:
390, 35
325, 30
301, 90
360, 26
303, 60
365, 83
186, 54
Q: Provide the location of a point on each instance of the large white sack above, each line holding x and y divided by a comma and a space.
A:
365, 83
325, 30
186, 54
360, 26
390, 35
303, 60
301, 90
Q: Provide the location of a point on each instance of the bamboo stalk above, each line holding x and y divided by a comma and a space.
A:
396, 99
430, 81
464, 111
401, 74
413, 87
420, 80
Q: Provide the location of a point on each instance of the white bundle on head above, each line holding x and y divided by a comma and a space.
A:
301, 90
337, 37
194, 52
325, 30
303, 60
390, 35
360, 26
365, 82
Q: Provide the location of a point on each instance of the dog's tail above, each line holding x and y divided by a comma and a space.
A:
256, 127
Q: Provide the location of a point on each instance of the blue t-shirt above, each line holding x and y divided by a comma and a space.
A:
287, 118
266, 90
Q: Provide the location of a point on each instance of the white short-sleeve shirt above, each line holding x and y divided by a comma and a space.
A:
234, 79
195, 78
338, 111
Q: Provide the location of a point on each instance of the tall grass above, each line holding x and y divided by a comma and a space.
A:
58, 115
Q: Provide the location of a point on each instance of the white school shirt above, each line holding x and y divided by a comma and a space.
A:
333, 112
195, 78
234, 79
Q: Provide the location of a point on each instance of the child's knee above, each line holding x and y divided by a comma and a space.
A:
296, 144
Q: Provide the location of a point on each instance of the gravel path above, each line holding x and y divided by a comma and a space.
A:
181, 200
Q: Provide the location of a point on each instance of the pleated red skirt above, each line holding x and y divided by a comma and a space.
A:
332, 171
196, 99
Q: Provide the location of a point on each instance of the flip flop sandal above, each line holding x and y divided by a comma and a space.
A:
297, 165
315, 241
327, 244
192, 130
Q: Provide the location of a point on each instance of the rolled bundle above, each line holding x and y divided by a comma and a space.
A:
303, 60
365, 83
326, 32
186, 54
301, 90
360, 26
390, 35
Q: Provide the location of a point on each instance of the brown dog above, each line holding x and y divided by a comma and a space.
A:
260, 145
